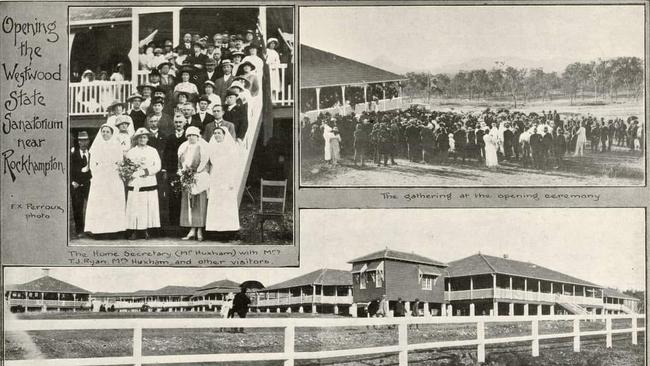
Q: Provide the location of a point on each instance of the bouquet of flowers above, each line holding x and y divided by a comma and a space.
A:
126, 168
184, 180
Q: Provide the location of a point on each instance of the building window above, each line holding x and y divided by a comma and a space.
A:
380, 279
362, 284
428, 281
372, 278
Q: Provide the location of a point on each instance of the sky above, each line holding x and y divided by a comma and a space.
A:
605, 246
420, 37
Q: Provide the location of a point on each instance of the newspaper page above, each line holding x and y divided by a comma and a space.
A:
324, 183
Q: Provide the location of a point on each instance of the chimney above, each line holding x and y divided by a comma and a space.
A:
46, 272
506, 256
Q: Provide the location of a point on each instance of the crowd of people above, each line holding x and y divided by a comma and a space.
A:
207, 56
537, 140
185, 132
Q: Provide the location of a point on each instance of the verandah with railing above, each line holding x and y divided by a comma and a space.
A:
88, 99
289, 325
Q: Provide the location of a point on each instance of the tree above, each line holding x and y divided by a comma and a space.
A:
514, 81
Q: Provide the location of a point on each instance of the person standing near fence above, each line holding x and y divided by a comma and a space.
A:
80, 176
240, 305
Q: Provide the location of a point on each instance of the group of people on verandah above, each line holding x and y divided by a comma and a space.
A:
205, 53
180, 145
491, 136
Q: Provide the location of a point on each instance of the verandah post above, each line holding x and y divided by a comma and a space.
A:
480, 337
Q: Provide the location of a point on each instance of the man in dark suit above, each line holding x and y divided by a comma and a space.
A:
138, 116
537, 147
236, 113
209, 73
508, 142
202, 117
223, 83
471, 146
80, 181
197, 58
170, 166
157, 139
186, 46
219, 122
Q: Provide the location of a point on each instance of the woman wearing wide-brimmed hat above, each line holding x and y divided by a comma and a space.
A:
253, 56
146, 90
273, 60
185, 85
121, 133
247, 71
105, 211
193, 155
116, 109
142, 208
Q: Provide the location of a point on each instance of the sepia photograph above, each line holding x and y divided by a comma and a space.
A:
418, 286
511, 95
181, 125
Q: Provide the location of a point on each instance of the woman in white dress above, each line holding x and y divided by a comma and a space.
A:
142, 209
122, 136
581, 140
105, 212
185, 85
273, 60
223, 206
491, 141
254, 58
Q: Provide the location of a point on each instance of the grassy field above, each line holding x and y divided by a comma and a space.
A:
93, 343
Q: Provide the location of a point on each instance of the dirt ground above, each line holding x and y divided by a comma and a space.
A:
616, 168
73, 344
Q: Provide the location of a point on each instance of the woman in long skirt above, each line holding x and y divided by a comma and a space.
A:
142, 209
193, 155
223, 205
491, 159
105, 212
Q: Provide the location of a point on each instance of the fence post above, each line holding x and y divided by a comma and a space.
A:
608, 329
535, 335
403, 343
289, 342
635, 333
480, 337
576, 335
137, 345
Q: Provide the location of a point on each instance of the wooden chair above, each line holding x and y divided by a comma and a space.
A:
272, 207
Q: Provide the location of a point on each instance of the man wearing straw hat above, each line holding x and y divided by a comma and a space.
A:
80, 181
223, 83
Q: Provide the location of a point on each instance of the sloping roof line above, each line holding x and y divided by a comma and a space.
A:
225, 283
612, 292
47, 284
324, 276
398, 256
320, 68
471, 266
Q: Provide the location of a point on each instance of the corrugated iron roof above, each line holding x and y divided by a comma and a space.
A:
225, 283
485, 264
398, 256
78, 14
611, 292
47, 284
320, 68
325, 276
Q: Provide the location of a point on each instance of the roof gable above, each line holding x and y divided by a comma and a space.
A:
398, 256
320, 68
225, 283
612, 292
48, 284
484, 264
325, 276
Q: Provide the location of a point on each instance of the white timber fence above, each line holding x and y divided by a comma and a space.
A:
289, 353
